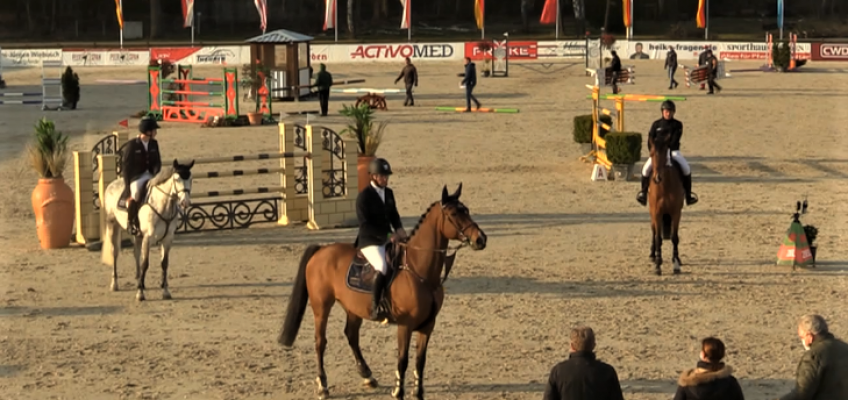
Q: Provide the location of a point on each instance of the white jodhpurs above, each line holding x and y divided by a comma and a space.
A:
376, 255
137, 185
684, 166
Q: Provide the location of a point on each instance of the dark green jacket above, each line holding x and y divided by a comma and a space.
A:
822, 372
323, 80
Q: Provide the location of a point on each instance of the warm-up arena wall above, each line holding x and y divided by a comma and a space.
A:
321, 191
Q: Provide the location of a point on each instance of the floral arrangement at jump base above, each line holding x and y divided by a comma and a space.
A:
52, 198
368, 134
797, 249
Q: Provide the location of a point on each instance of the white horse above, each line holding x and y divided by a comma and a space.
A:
168, 193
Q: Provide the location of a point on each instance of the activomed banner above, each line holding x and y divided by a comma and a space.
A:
415, 51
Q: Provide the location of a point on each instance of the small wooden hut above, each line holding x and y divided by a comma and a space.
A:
287, 56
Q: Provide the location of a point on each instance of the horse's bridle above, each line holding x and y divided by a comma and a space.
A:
173, 194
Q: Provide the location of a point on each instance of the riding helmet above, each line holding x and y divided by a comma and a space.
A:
379, 166
668, 105
147, 124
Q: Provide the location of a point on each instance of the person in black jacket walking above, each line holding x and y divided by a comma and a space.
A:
671, 66
615, 69
409, 74
712, 379
582, 376
712, 74
702, 61
469, 79
141, 162
377, 213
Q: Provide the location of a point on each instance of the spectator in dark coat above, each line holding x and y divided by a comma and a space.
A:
702, 60
671, 66
470, 81
823, 370
323, 81
615, 69
409, 74
712, 379
582, 376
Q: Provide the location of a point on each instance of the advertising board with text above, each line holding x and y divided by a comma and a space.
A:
397, 52
518, 50
101, 57
829, 52
644, 50
28, 57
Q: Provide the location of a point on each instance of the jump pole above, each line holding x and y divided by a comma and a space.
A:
481, 110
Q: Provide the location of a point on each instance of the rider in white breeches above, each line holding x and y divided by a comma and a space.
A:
669, 127
137, 186
377, 213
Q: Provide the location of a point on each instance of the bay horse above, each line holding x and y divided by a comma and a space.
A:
665, 198
416, 292
167, 194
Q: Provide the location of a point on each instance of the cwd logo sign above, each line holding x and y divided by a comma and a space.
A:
830, 52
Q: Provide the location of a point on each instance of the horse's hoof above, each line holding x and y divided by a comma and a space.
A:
323, 394
370, 382
677, 271
653, 257
139, 296
166, 295
114, 286
658, 272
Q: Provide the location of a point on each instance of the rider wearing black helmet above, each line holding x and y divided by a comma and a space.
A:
378, 215
675, 128
141, 162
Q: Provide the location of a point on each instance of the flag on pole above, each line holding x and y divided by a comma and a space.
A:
329, 14
628, 13
404, 22
479, 12
262, 8
702, 14
120, 14
549, 12
188, 13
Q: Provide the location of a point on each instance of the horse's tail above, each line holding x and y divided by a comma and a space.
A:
666, 226
297, 301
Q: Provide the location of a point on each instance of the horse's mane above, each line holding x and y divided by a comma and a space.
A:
163, 175
421, 219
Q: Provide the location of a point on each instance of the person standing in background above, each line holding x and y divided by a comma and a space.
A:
702, 60
469, 79
615, 69
410, 78
712, 73
323, 81
671, 66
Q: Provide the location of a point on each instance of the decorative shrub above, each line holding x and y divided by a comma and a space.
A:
780, 55
583, 128
624, 147
811, 232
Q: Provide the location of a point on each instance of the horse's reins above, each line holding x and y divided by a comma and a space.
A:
173, 194
449, 258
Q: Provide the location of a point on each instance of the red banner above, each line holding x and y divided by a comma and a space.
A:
701, 18
172, 54
830, 52
517, 50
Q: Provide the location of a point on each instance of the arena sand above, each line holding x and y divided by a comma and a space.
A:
563, 251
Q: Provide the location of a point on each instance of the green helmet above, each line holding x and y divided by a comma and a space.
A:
379, 166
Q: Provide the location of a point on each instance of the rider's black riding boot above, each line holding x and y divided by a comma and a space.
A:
687, 187
642, 197
379, 285
132, 217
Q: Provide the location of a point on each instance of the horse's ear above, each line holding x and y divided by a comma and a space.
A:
458, 192
191, 165
176, 164
445, 196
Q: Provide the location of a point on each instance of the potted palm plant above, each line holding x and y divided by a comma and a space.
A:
52, 198
368, 134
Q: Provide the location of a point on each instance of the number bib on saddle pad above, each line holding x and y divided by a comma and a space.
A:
360, 274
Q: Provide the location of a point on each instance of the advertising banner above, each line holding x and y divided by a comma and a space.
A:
562, 49
689, 50
397, 52
28, 57
172, 54
829, 52
327, 54
518, 50
84, 57
134, 57
219, 55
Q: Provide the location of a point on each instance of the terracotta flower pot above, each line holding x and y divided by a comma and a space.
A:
53, 205
362, 171
255, 118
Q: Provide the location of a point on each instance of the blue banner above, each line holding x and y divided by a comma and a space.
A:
780, 14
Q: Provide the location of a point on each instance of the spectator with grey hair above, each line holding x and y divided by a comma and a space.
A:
823, 370
583, 376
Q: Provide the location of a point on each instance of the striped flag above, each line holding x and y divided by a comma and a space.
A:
549, 13
701, 19
188, 13
120, 13
479, 12
330, 14
404, 22
262, 8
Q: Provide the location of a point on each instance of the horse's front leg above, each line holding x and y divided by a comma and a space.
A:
421, 360
675, 257
352, 326
653, 242
166, 250
144, 262
658, 246
404, 337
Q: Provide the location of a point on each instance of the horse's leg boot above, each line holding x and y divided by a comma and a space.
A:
379, 284
642, 197
687, 187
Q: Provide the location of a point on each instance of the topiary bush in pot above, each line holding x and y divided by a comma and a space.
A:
583, 128
623, 150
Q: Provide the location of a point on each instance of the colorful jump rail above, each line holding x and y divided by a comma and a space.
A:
317, 184
480, 110
188, 109
638, 97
